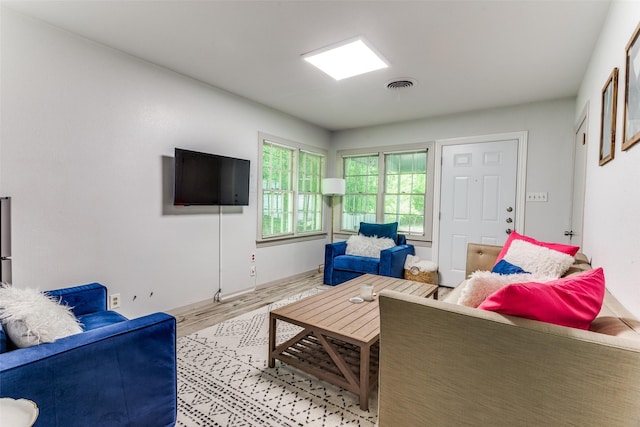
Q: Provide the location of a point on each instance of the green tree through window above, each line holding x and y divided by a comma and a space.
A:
361, 191
277, 192
386, 187
291, 201
405, 189
309, 192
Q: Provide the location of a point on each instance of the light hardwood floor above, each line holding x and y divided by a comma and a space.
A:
195, 317
198, 316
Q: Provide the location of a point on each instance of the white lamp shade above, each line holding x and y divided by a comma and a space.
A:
333, 186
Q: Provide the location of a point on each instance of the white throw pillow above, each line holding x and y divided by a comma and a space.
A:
538, 259
481, 284
30, 317
368, 246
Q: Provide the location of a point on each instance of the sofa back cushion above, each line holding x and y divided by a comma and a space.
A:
389, 230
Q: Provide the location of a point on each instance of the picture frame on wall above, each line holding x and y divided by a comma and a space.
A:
608, 118
632, 93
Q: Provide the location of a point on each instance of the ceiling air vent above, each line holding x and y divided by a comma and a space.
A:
400, 84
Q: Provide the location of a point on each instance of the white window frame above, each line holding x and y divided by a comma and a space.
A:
394, 149
297, 147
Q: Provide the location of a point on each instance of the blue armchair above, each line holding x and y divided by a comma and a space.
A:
117, 372
339, 267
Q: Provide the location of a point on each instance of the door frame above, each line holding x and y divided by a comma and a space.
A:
583, 118
521, 178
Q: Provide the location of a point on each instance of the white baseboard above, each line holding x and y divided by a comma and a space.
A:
295, 277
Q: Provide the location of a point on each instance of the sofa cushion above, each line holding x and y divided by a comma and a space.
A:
359, 264
538, 259
368, 246
567, 249
99, 319
389, 230
572, 301
30, 317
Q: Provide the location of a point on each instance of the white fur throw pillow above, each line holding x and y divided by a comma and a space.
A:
30, 317
368, 246
481, 284
538, 259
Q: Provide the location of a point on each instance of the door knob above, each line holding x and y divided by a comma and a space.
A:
509, 220
509, 209
508, 231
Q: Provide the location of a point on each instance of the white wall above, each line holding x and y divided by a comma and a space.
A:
612, 205
86, 144
86, 139
550, 150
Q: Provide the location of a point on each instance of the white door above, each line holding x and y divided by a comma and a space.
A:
477, 201
577, 187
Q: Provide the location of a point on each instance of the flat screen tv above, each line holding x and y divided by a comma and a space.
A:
210, 179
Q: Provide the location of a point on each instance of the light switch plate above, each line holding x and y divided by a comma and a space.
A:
537, 197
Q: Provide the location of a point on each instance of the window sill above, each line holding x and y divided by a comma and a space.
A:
285, 240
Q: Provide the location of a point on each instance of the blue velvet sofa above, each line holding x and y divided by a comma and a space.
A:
118, 372
339, 267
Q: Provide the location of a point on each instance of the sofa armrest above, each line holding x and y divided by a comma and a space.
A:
444, 364
121, 374
481, 257
82, 299
392, 260
332, 250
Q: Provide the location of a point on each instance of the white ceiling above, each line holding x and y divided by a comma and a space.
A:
464, 55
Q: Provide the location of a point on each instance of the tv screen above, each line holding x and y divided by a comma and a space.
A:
210, 179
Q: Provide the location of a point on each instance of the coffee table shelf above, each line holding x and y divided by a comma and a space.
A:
308, 354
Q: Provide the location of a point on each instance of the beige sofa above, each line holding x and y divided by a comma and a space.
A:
442, 364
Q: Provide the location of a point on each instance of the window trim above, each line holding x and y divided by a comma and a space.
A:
393, 149
297, 147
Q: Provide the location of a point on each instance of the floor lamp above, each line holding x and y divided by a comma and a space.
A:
333, 187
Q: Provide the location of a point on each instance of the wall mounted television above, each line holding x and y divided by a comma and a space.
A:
209, 179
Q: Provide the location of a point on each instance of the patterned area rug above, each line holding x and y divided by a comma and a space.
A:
224, 380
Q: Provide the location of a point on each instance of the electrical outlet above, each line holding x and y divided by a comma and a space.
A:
114, 301
252, 270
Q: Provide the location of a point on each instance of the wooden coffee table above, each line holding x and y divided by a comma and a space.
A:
339, 342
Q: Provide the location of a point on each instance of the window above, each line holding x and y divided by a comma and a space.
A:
277, 191
361, 191
388, 186
405, 189
310, 176
291, 198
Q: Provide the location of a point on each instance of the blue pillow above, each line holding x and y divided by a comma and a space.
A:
504, 267
380, 230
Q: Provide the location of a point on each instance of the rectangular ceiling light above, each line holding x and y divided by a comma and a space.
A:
348, 59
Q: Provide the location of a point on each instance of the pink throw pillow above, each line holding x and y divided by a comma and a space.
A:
571, 301
567, 249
